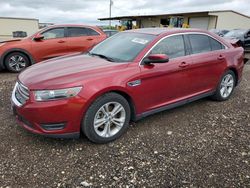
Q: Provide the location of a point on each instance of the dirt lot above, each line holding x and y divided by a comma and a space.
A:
203, 144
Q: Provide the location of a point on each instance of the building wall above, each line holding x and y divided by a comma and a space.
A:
150, 22
8, 25
230, 20
219, 20
212, 22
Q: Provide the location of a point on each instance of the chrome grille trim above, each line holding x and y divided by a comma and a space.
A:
20, 94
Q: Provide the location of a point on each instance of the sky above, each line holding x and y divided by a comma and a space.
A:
87, 11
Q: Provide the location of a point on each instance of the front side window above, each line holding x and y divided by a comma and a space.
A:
199, 43
54, 33
172, 46
81, 31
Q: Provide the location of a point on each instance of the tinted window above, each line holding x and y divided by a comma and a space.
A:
215, 45
54, 33
92, 32
77, 32
80, 31
199, 43
171, 46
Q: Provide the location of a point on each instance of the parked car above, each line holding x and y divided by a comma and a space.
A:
131, 75
220, 32
243, 35
110, 32
53, 41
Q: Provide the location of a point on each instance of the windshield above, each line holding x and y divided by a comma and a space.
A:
235, 33
122, 47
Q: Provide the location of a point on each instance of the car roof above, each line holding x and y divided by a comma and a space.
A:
110, 30
71, 25
159, 31
74, 25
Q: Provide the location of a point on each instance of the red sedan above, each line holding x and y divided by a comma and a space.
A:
54, 41
126, 77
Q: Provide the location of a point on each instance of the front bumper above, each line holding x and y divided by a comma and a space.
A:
58, 119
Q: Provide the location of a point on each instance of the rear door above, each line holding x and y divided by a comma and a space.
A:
208, 63
53, 45
82, 39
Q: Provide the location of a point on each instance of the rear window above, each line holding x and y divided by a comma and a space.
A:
81, 31
215, 45
199, 43
203, 43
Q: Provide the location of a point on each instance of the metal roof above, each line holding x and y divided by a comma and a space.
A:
168, 14
19, 18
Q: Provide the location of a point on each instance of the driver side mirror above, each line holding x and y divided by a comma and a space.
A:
39, 37
156, 58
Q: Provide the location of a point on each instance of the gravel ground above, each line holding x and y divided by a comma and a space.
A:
202, 144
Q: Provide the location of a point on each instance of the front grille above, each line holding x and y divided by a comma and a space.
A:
21, 93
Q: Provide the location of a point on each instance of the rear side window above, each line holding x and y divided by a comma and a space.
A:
80, 31
203, 43
215, 45
92, 32
199, 43
172, 46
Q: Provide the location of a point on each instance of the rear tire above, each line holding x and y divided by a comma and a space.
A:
107, 118
226, 86
16, 62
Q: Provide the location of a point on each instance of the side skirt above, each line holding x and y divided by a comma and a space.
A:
174, 105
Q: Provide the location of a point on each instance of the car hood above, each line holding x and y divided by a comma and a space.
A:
69, 71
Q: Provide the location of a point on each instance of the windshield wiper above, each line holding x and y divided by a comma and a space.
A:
102, 56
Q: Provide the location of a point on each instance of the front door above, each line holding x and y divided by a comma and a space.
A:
54, 44
165, 83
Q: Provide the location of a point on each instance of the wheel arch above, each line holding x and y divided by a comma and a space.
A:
235, 73
20, 50
119, 90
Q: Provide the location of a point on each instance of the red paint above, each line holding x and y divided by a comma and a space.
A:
40, 50
161, 84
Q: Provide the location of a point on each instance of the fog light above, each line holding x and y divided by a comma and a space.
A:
53, 126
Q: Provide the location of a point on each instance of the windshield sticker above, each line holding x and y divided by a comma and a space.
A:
140, 41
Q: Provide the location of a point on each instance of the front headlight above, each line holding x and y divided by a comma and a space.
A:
46, 95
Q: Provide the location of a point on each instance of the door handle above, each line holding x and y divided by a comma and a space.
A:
89, 39
183, 64
61, 41
221, 57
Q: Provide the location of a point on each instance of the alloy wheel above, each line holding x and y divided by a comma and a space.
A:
17, 62
109, 119
227, 85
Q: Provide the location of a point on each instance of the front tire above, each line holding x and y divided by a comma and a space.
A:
226, 86
16, 62
107, 118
